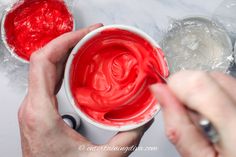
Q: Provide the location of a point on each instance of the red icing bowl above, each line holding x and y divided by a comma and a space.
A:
108, 74
29, 25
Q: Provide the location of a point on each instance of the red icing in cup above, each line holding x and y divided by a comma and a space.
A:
31, 24
110, 75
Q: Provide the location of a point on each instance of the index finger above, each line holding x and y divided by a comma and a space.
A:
45, 67
47, 63
200, 92
59, 47
228, 83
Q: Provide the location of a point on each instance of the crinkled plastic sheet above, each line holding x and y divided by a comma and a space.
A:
197, 43
15, 70
226, 15
233, 68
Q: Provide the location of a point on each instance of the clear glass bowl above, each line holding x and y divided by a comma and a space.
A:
197, 43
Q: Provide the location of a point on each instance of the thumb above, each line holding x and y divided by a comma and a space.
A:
127, 141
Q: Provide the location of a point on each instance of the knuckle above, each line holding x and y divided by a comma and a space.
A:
198, 83
21, 110
27, 117
39, 56
35, 57
29, 120
173, 135
20, 114
38, 60
33, 122
32, 118
198, 79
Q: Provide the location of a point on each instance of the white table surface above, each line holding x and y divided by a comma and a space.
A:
152, 16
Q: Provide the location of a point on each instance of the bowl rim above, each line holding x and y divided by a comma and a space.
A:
67, 78
3, 32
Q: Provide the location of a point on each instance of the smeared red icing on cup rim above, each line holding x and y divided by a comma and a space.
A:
93, 84
27, 25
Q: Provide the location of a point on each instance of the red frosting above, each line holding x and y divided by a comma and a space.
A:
110, 76
31, 24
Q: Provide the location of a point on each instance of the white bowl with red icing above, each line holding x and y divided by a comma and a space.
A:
108, 74
27, 26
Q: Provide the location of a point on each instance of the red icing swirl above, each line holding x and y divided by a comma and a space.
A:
31, 24
110, 77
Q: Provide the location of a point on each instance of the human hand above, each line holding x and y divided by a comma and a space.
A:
213, 95
43, 132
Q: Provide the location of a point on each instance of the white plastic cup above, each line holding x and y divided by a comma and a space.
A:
3, 33
87, 38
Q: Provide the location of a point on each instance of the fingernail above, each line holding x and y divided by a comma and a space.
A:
95, 26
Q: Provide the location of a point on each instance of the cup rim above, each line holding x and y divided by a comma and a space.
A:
67, 78
3, 32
